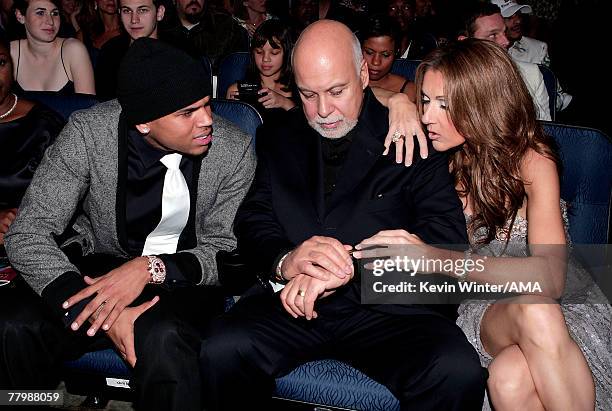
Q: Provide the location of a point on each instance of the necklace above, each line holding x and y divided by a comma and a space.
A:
10, 110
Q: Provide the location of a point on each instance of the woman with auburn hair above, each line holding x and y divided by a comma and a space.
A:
44, 61
473, 101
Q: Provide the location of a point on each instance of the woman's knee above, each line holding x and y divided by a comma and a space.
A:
509, 376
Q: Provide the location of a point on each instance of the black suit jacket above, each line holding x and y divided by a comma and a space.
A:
285, 204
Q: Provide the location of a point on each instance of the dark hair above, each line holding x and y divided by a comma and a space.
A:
156, 3
379, 25
473, 11
279, 36
22, 5
491, 107
240, 10
4, 42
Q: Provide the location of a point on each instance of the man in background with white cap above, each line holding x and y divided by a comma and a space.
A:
527, 49
522, 48
484, 21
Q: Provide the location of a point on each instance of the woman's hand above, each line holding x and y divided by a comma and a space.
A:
74, 17
403, 125
250, 28
389, 244
273, 99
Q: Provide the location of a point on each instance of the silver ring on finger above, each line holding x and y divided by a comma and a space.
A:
96, 313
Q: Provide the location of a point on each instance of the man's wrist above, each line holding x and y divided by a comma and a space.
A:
278, 273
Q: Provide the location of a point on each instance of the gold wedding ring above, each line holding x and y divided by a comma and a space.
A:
301, 293
397, 136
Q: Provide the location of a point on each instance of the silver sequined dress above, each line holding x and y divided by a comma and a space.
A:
590, 324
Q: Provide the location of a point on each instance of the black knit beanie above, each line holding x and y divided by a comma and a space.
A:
156, 79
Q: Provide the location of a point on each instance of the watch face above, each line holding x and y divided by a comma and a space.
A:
157, 269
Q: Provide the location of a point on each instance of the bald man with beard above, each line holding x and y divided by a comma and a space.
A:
322, 185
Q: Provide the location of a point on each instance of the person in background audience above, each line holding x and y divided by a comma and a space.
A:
527, 49
303, 13
43, 61
342, 11
484, 21
9, 28
423, 9
98, 22
139, 18
521, 48
402, 12
69, 11
270, 68
378, 45
201, 31
250, 14
117, 237
26, 130
475, 105
414, 40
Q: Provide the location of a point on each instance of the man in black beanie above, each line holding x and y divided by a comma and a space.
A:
119, 231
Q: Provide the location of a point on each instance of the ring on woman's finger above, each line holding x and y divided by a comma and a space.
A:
397, 135
301, 293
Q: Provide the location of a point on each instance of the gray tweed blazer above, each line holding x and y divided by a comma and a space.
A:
79, 174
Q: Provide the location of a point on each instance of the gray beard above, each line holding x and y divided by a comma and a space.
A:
345, 128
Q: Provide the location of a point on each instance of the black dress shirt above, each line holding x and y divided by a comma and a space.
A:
144, 188
333, 152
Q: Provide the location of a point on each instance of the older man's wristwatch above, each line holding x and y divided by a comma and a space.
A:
278, 275
157, 269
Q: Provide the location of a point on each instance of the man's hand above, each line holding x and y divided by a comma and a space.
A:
7, 217
122, 331
404, 121
317, 257
299, 295
115, 291
273, 99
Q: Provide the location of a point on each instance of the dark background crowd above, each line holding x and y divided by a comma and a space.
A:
575, 31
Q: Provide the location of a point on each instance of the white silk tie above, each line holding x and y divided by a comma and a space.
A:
175, 210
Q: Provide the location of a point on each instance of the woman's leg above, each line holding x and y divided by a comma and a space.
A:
560, 372
510, 383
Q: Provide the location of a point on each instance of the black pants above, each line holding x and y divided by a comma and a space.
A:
167, 341
425, 360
